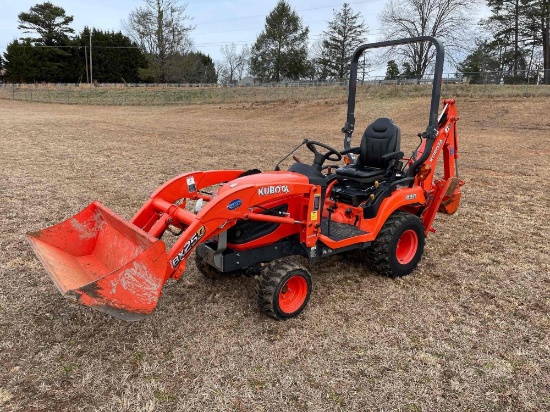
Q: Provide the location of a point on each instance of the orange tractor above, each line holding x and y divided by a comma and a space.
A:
379, 201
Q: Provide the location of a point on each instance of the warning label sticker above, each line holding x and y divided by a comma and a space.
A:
191, 184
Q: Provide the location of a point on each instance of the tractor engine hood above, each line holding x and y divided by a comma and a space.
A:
273, 182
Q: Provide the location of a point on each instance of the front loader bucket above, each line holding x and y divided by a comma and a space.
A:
102, 261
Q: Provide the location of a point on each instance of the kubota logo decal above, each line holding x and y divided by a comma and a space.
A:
188, 246
434, 153
272, 190
234, 204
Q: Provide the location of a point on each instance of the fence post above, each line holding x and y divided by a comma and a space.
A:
31, 95
13, 91
67, 97
49, 97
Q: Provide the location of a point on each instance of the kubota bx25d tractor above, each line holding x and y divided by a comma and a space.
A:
380, 201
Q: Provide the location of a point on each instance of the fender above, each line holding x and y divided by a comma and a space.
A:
400, 198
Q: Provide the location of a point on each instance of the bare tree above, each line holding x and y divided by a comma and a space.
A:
448, 20
242, 69
316, 56
159, 27
234, 64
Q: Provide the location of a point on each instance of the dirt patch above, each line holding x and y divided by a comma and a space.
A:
468, 330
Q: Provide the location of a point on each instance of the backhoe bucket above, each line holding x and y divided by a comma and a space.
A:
451, 200
102, 261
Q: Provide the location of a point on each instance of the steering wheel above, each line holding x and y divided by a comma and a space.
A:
319, 158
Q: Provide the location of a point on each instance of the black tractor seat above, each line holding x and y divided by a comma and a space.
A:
380, 147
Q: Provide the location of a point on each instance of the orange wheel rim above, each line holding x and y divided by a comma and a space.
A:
407, 245
293, 294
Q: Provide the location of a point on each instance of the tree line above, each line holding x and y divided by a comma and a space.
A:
156, 45
153, 50
516, 41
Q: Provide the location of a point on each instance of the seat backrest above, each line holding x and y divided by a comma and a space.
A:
381, 136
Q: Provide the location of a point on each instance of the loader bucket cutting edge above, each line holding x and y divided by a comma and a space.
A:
102, 261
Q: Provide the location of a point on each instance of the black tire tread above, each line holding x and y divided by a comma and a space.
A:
269, 279
377, 255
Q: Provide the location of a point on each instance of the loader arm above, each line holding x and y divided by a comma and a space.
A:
187, 186
100, 260
216, 216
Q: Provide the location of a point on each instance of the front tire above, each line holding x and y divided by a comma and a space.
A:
399, 246
283, 290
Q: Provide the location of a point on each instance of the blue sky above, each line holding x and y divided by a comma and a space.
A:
217, 22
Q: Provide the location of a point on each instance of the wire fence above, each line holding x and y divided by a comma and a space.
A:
478, 84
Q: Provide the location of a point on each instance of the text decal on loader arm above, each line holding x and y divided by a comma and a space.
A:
188, 246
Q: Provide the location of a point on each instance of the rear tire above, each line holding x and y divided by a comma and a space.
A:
399, 246
283, 290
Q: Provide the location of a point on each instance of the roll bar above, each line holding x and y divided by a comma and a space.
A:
431, 130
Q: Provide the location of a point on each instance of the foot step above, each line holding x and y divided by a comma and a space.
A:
339, 231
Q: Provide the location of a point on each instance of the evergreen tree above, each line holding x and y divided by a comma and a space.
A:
408, 72
507, 20
1, 69
51, 53
49, 22
199, 68
21, 62
519, 28
26, 63
193, 67
537, 30
392, 71
280, 51
346, 31
116, 58
482, 60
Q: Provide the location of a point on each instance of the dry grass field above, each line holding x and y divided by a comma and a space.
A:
468, 330
158, 96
